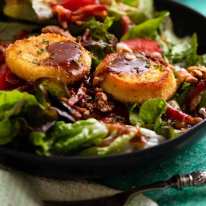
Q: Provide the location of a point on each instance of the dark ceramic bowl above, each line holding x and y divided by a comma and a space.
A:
186, 22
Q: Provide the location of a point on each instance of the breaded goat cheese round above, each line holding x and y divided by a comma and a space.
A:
48, 55
135, 77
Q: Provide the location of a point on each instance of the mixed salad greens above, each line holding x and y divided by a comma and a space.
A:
49, 117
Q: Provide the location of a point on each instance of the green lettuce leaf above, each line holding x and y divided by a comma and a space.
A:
118, 9
180, 51
146, 6
203, 59
13, 104
131, 2
9, 31
202, 103
149, 114
169, 132
30, 10
41, 142
8, 130
184, 52
120, 144
117, 146
51, 87
21, 112
102, 41
133, 115
147, 29
64, 138
8, 100
99, 30
137, 10
183, 92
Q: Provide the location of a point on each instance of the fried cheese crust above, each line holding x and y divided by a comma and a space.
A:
135, 77
48, 55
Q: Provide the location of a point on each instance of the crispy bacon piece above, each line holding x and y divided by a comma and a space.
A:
63, 15
66, 16
90, 10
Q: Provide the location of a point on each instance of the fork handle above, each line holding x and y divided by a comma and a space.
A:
178, 182
188, 180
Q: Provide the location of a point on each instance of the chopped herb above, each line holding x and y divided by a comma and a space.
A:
40, 51
45, 42
35, 62
19, 52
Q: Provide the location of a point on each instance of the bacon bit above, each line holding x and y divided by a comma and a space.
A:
83, 111
74, 99
85, 102
90, 10
76, 114
193, 95
138, 137
126, 24
181, 116
66, 16
139, 142
120, 128
143, 45
102, 102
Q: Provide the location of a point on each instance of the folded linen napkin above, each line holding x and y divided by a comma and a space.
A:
18, 189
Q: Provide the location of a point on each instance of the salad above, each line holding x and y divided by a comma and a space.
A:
95, 77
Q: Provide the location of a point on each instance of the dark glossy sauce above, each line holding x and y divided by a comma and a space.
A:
124, 64
65, 55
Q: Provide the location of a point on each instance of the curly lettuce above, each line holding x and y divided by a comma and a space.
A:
13, 106
67, 137
149, 113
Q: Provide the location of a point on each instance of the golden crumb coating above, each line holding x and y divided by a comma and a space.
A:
135, 77
48, 55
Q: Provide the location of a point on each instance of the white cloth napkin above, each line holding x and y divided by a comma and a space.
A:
17, 189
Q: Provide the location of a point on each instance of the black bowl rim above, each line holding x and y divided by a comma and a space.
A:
68, 159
